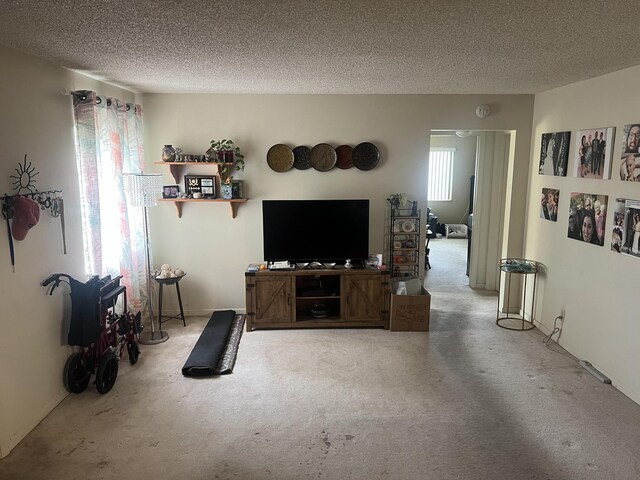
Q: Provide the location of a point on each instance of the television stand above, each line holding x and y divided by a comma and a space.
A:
292, 299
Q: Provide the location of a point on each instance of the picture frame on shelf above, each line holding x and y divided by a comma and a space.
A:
203, 184
170, 191
236, 189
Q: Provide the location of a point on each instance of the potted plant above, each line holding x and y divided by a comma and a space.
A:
229, 159
397, 200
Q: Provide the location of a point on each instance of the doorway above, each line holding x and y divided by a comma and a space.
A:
481, 179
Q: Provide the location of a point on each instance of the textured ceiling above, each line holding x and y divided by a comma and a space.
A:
324, 46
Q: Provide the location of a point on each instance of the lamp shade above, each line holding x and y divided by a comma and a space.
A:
142, 189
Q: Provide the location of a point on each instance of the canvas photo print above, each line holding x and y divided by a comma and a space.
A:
630, 160
593, 153
587, 217
554, 154
625, 235
549, 204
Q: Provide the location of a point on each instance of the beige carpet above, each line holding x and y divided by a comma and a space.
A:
467, 400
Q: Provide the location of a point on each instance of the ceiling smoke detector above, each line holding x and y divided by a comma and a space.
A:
483, 111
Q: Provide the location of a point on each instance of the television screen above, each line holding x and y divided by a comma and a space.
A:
315, 230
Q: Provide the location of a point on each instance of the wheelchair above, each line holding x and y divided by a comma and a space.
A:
100, 333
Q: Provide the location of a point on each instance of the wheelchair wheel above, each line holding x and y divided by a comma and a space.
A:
76, 374
107, 372
134, 352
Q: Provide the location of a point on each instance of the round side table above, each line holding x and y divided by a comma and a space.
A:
527, 269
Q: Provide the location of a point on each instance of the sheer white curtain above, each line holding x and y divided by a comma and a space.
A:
108, 144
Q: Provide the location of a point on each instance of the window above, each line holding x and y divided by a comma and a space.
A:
440, 174
109, 143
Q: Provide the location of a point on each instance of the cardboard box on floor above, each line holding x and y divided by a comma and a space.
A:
410, 306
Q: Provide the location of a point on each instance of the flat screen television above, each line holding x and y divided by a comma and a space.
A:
315, 230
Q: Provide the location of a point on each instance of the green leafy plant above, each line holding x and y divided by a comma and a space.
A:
228, 156
397, 200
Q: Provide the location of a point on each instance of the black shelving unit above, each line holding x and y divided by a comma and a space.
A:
404, 242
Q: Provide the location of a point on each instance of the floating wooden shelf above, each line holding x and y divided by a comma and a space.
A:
234, 203
176, 167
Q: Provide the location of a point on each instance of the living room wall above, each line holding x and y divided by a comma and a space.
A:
215, 249
211, 246
37, 121
596, 286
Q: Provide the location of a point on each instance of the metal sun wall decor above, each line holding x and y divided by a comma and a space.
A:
24, 186
323, 157
24, 178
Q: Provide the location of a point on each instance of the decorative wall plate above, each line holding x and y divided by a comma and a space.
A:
302, 158
323, 157
408, 226
344, 154
365, 156
280, 158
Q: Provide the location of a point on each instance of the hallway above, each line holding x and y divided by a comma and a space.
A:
448, 259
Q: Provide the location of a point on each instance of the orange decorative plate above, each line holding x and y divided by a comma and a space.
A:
344, 154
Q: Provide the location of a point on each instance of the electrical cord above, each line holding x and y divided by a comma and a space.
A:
555, 330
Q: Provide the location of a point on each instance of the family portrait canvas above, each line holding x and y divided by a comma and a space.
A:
630, 160
549, 204
554, 154
593, 153
587, 217
625, 236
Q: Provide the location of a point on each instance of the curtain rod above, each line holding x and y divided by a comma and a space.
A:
83, 95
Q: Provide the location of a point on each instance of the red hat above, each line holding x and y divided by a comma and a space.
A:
27, 214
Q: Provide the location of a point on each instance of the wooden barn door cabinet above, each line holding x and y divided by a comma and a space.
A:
292, 299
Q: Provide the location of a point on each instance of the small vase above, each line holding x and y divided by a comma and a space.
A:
168, 154
226, 189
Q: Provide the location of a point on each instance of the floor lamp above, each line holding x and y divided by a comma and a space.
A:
143, 190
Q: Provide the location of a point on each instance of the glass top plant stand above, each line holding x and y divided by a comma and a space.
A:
527, 270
